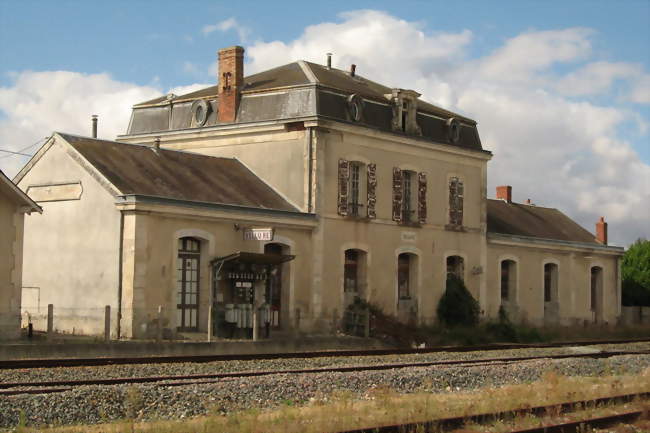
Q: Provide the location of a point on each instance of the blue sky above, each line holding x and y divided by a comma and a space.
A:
564, 82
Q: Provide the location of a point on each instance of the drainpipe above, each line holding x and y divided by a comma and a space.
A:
310, 206
119, 275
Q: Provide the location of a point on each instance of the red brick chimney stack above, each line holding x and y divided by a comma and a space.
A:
504, 192
231, 82
601, 231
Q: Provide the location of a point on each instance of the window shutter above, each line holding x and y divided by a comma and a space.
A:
422, 198
460, 199
452, 201
397, 194
372, 190
344, 178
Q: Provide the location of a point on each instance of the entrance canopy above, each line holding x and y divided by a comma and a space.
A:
247, 258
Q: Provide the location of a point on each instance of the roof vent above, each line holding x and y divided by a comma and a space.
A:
329, 60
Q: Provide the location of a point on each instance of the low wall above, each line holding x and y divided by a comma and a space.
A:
139, 348
631, 316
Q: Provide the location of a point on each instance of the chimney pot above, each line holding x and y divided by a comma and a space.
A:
329, 60
156, 143
601, 231
504, 192
353, 69
230, 82
94, 130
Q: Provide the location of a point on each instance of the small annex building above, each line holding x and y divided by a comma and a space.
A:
290, 193
14, 204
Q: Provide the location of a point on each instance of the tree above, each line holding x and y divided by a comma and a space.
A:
457, 305
636, 274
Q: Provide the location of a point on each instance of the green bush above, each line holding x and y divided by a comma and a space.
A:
457, 307
635, 269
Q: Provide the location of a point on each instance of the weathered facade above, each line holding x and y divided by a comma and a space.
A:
14, 204
358, 190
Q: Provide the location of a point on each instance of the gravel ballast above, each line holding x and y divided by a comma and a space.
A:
96, 404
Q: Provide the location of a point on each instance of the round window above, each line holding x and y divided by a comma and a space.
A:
200, 111
355, 107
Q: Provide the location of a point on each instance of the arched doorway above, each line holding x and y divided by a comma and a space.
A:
596, 293
277, 286
187, 284
551, 295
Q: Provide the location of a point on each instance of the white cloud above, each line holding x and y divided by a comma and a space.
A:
641, 91
596, 78
38, 103
229, 24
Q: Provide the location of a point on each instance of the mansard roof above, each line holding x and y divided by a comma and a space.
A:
144, 170
302, 90
534, 221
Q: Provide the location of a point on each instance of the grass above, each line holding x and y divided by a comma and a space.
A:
382, 406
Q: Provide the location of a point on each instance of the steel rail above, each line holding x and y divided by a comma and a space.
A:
579, 426
443, 424
216, 377
87, 362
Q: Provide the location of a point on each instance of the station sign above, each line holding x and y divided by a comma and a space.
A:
261, 234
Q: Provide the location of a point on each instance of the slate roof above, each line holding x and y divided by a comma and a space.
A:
143, 170
534, 221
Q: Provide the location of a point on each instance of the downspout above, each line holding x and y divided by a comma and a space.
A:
119, 275
310, 206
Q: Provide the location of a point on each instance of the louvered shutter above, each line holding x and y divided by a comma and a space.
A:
422, 198
459, 207
344, 178
372, 190
397, 194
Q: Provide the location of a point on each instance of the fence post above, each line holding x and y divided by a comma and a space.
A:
107, 323
209, 323
50, 321
159, 329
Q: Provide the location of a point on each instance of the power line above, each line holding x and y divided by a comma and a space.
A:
19, 152
15, 153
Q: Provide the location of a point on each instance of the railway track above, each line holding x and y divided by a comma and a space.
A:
87, 362
46, 387
448, 424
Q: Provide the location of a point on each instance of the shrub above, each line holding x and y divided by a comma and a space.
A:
457, 307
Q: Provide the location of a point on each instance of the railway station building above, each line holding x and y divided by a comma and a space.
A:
288, 194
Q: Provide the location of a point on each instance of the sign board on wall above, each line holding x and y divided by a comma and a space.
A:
265, 234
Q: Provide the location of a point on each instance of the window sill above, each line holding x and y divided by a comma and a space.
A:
455, 228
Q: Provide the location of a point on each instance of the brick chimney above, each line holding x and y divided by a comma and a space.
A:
601, 231
504, 192
231, 82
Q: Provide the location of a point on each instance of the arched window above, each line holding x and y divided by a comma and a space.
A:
351, 271
277, 285
508, 280
550, 282
187, 285
455, 267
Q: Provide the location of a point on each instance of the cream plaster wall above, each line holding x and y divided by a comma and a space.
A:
151, 250
71, 249
574, 282
11, 255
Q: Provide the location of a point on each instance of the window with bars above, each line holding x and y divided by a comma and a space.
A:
456, 193
404, 276
187, 284
407, 196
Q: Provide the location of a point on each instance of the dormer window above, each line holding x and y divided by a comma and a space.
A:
405, 111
